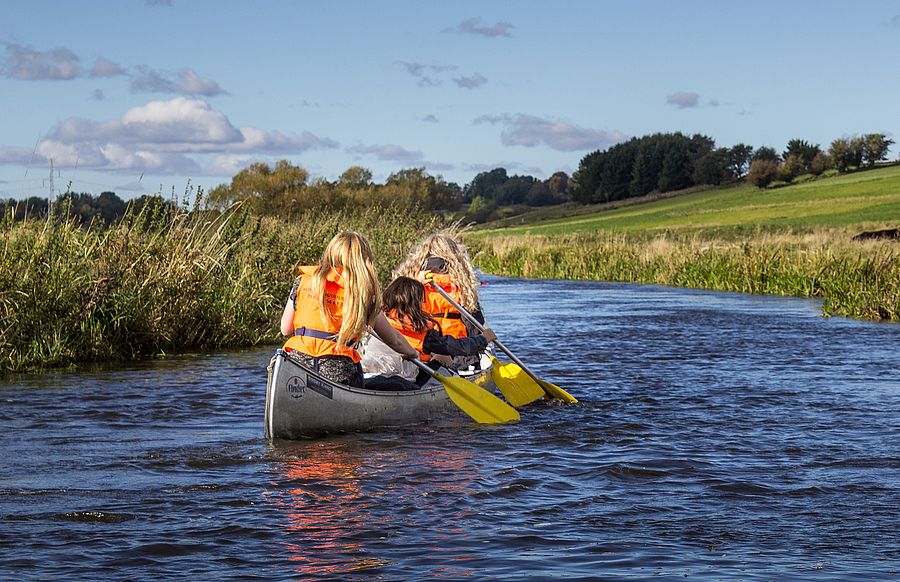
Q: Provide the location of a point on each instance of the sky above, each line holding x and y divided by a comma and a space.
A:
147, 96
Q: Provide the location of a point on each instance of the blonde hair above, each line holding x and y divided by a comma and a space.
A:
350, 253
445, 246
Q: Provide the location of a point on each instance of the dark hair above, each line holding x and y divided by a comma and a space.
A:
403, 299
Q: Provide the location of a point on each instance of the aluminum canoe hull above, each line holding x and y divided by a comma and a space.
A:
303, 404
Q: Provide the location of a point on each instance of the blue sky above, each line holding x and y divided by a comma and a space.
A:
141, 95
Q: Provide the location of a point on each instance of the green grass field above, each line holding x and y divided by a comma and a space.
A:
863, 200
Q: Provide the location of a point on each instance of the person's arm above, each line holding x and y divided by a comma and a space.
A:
435, 343
287, 319
393, 338
287, 316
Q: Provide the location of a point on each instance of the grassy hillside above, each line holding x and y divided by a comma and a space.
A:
863, 200
796, 240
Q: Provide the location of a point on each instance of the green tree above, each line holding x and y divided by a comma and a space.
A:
416, 187
819, 164
875, 147
263, 189
765, 153
355, 177
481, 209
739, 158
558, 184
803, 150
485, 184
762, 172
846, 153
792, 167
540, 195
712, 168
675, 173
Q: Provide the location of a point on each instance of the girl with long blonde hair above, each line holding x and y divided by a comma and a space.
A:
330, 307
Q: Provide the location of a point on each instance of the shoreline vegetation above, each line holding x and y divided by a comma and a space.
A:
166, 279
853, 279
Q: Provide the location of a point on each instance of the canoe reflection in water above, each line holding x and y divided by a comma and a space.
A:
348, 505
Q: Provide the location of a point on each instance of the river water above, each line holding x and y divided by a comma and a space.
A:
718, 437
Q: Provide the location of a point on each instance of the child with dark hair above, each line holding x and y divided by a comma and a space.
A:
402, 303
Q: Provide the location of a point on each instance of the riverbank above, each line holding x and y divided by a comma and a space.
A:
854, 279
157, 283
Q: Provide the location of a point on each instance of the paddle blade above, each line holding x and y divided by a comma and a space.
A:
555, 391
516, 386
477, 402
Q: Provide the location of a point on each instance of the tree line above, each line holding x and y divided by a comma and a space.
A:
664, 162
85, 208
803, 158
660, 162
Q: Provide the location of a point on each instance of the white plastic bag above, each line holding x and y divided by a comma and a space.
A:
380, 360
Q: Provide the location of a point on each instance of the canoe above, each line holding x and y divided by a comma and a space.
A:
301, 403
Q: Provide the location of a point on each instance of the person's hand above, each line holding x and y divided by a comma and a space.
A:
410, 355
423, 277
489, 334
445, 360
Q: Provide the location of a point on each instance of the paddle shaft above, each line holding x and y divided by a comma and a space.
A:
480, 328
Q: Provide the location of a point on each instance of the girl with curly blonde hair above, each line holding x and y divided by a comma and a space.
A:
442, 259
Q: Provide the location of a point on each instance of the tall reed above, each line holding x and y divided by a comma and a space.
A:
856, 279
163, 281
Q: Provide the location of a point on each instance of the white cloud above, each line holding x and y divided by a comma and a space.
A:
471, 82
106, 68
185, 82
387, 153
27, 64
474, 27
230, 164
683, 99
530, 131
14, 155
419, 70
439, 166
162, 137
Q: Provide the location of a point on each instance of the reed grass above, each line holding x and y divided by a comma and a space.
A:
159, 282
854, 279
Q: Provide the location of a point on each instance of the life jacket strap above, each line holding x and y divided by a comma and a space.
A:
449, 315
315, 333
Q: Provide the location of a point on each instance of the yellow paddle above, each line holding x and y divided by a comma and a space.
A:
516, 388
475, 401
515, 385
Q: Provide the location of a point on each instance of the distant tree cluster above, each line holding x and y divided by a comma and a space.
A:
495, 188
85, 208
657, 163
802, 158
286, 190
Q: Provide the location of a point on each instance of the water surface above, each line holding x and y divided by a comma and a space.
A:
718, 437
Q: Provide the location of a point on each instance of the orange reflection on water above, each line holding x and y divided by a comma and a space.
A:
329, 514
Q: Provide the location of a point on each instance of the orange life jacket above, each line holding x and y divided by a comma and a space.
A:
313, 334
415, 339
447, 316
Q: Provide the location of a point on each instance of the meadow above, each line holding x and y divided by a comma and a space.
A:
164, 281
795, 240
